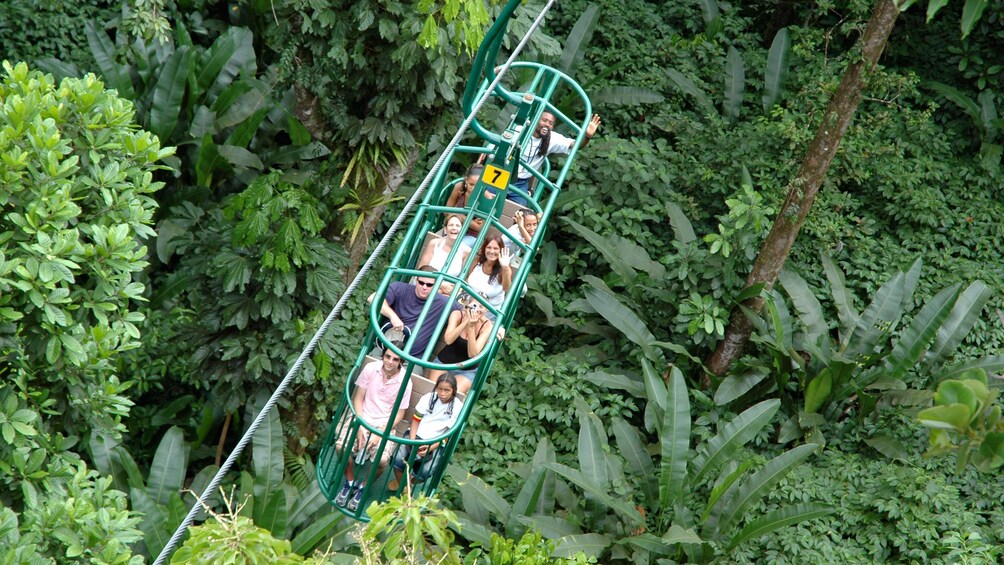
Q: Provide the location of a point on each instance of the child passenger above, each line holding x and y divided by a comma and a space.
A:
435, 413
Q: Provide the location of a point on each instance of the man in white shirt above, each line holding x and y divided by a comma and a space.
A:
544, 142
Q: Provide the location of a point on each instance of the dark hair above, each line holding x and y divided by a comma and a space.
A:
497, 268
427, 268
545, 141
450, 380
473, 170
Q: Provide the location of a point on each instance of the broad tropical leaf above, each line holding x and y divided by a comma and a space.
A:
116, 76
629, 442
775, 74
878, 319
990, 364
590, 544
622, 507
734, 435
167, 471
971, 13
683, 230
964, 316
810, 313
168, 93
266, 453
608, 249
623, 318
732, 506
625, 95
476, 493
592, 440
956, 96
551, 527
629, 383
780, 518
687, 86
739, 383
921, 331
842, 298
318, 531
232, 52
735, 84
578, 39
272, 514
675, 441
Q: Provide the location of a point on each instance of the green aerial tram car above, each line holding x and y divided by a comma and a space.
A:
502, 161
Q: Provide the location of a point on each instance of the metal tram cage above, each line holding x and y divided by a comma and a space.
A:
502, 151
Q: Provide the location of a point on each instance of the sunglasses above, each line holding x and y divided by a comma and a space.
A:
391, 357
426, 284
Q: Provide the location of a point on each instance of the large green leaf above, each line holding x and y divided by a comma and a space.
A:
266, 453
735, 84
956, 96
734, 435
167, 471
739, 383
687, 86
675, 441
578, 39
551, 527
619, 505
964, 316
655, 390
680, 534
971, 13
810, 312
318, 531
629, 383
476, 493
921, 331
154, 522
842, 297
473, 531
629, 442
878, 318
731, 507
272, 514
709, 9
775, 74
990, 364
623, 318
780, 518
306, 504
103, 50
590, 544
625, 95
592, 441
232, 52
168, 93
608, 249
647, 542
683, 230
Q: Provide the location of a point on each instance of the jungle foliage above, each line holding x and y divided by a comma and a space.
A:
148, 295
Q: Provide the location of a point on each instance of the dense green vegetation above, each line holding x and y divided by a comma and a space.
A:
176, 225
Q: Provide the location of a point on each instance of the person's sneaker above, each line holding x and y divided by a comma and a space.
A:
357, 498
343, 494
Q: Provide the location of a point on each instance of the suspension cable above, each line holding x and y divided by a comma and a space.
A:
336, 311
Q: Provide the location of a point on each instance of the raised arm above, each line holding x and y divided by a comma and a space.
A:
591, 128
505, 260
455, 325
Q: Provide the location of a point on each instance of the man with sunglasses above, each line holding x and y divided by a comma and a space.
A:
404, 303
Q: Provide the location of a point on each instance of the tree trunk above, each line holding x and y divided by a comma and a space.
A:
803, 188
395, 177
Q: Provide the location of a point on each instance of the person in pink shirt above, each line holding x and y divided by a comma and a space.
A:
376, 392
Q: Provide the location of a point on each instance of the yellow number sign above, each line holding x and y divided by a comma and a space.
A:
499, 178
